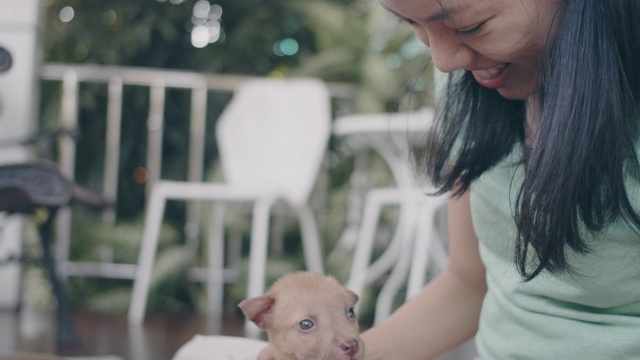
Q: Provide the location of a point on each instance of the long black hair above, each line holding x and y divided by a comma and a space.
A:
575, 168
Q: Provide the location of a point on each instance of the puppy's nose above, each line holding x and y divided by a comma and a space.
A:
350, 347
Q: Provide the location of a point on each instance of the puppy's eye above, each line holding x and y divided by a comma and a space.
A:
351, 313
306, 325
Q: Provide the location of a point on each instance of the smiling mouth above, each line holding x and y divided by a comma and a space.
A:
490, 73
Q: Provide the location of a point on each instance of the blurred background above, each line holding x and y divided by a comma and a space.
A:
84, 49
351, 42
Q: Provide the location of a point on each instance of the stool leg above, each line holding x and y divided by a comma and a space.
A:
148, 249
258, 256
66, 334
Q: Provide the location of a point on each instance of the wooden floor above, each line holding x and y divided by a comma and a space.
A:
25, 332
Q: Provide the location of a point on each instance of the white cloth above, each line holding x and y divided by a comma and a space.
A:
202, 347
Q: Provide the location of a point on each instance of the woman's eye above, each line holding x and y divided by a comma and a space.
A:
405, 20
470, 32
306, 325
351, 313
409, 21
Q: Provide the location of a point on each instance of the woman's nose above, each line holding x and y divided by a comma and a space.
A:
449, 52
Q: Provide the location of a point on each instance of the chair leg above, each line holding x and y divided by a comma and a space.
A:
399, 272
66, 334
429, 245
216, 251
311, 240
387, 260
423, 242
364, 247
406, 202
258, 256
152, 223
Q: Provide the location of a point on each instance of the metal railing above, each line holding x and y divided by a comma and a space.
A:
157, 81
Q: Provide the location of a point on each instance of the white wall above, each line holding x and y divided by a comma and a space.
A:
19, 34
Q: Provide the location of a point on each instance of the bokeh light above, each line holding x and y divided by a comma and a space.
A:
280, 71
286, 47
201, 9
140, 175
205, 24
66, 14
215, 12
81, 51
110, 17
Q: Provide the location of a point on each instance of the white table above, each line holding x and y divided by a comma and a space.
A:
390, 134
393, 136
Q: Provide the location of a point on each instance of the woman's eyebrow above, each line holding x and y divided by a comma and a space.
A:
443, 14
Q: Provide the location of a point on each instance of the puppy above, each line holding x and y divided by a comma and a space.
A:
307, 316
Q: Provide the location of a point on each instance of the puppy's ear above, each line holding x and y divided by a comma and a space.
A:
258, 309
353, 296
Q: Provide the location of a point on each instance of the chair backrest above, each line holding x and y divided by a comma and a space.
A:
273, 136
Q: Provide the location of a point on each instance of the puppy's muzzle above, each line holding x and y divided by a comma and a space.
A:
350, 347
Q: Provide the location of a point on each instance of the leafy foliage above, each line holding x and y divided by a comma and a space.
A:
157, 34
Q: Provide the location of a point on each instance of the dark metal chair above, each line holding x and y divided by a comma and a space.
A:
27, 187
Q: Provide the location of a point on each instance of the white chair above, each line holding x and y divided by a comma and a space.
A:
272, 138
415, 243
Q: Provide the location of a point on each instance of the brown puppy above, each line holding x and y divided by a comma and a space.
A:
307, 316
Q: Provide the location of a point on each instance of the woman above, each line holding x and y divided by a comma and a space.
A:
537, 141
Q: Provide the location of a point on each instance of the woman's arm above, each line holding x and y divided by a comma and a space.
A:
445, 313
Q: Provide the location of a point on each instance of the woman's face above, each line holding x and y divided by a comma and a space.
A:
499, 41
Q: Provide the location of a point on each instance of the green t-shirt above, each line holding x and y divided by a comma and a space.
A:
592, 314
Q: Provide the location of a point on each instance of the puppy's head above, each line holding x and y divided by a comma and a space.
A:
308, 316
